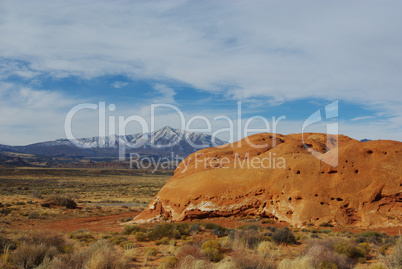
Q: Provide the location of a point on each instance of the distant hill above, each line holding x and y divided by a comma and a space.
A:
163, 143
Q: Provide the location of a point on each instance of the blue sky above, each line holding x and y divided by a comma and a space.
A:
278, 58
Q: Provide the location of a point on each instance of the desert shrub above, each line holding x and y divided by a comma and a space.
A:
245, 260
29, 256
370, 237
141, 237
268, 221
82, 235
283, 236
64, 201
163, 241
46, 238
190, 262
344, 248
226, 263
168, 262
359, 252
189, 250
378, 266
247, 238
117, 240
322, 254
325, 231
36, 194
383, 249
210, 225
151, 251
326, 224
103, 255
327, 265
298, 263
194, 228
46, 205
395, 259
170, 230
133, 229
34, 215
20, 203
6, 243
219, 231
271, 228
212, 249
216, 229
130, 253
265, 247
300, 237
126, 219
98, 255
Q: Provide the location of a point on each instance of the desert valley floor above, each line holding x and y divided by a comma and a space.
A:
71, 213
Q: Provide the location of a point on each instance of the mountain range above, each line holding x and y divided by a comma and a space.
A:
164, 142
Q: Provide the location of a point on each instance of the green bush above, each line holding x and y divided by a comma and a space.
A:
64, 201
194, 228
359, 252
141, 237
327, 265
383, 249
168, 262
283, 236
170, 230
82, 235
268, 221
163, 241
151, 251
212, 249
133, 229
370, 237
118, 240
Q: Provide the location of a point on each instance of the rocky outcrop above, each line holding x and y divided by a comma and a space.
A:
277, 176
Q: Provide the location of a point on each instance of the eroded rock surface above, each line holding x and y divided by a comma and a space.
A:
280, 178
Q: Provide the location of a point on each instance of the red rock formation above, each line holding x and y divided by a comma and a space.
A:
276, 176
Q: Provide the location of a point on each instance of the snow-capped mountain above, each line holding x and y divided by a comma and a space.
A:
163, 142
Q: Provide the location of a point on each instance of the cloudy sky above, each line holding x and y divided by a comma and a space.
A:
278, 58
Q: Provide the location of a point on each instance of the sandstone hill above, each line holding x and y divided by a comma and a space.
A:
276, 176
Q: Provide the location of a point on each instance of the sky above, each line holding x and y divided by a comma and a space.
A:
274, 59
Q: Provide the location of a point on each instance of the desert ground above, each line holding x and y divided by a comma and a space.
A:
81, 218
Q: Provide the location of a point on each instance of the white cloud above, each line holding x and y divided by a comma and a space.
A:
165, 95
119, 84
362, 118
264, 49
